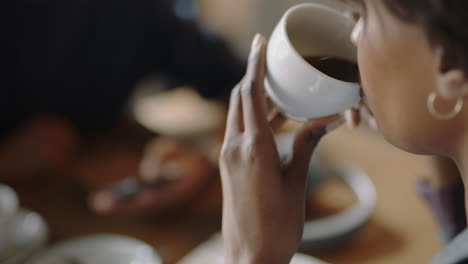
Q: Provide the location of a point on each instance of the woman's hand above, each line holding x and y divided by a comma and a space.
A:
264, 198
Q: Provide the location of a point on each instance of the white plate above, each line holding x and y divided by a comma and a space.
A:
211, 252
178, 112
99, 249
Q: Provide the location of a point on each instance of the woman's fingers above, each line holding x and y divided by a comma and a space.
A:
269, 106
353, 117
276, 120
253, 104
304, 144
235, 122
248, 108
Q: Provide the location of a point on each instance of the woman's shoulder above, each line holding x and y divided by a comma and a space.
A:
456, 252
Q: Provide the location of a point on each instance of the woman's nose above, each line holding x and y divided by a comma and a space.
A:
357, 31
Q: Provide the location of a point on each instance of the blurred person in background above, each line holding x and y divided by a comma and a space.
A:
69, 70
413, 59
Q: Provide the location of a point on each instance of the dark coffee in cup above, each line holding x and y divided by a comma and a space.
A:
338, 68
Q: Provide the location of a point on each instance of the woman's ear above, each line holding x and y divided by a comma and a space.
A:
452, 83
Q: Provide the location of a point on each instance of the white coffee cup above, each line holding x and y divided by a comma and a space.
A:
299, 90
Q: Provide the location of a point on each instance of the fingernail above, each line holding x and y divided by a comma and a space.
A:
349, 118
256, 41
334, 125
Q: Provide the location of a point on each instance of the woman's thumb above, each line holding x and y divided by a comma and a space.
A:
304, 144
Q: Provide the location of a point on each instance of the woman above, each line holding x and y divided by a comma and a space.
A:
413, 59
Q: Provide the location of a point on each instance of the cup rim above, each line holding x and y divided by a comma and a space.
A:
287, 15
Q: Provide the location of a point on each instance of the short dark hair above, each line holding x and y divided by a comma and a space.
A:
445, 23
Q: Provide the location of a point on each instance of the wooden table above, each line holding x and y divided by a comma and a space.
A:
401, 230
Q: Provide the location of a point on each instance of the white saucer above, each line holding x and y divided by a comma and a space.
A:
211, 252
99, 249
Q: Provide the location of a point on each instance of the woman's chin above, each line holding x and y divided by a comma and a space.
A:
406, 143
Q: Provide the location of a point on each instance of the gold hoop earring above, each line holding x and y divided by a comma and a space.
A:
443, 116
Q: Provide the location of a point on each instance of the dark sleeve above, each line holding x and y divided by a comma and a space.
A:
448, 207
192, 55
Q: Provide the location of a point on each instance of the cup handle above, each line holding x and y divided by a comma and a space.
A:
335, 229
